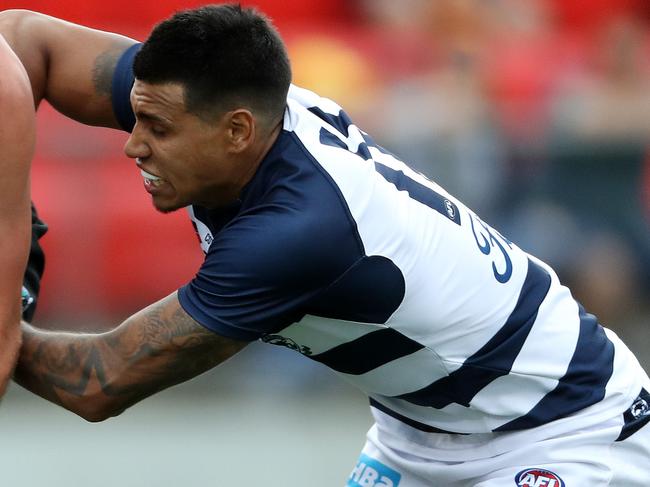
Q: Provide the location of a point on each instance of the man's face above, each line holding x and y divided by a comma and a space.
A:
183, 159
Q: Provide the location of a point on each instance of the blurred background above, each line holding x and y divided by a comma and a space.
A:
536, 113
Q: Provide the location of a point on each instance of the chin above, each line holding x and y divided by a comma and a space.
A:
166, 208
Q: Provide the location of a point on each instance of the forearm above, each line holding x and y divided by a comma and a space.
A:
100, 375
94, 375
64, 368
10, 308
10, 338
14, 248
17, 138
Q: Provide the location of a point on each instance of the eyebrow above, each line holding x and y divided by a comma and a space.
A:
150, 117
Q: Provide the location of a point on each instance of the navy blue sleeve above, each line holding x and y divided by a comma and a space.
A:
123, 79
263, 269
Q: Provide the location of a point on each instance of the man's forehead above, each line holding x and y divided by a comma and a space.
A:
162, 96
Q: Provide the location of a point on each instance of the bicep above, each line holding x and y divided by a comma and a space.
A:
68, 64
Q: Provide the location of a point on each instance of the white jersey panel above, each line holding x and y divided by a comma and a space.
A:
401, 371
321, 334
455, 308
444, 294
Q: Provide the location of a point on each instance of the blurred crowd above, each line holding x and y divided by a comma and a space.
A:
536, 113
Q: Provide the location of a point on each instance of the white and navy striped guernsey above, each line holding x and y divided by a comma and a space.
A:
340, 251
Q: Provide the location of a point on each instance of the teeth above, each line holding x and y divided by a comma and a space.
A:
149, 176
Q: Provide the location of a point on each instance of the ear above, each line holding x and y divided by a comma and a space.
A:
241, 129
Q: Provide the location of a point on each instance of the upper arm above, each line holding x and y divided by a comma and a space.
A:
68, 64
17, 133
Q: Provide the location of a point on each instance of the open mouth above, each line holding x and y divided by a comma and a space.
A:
150, 179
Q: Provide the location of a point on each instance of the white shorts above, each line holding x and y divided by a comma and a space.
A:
615, 453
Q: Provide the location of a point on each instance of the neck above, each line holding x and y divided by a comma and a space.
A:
260, 149
250, 160
266, 142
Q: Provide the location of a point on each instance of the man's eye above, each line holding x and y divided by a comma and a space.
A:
158, 131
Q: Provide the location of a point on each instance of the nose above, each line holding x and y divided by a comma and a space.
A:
135, 146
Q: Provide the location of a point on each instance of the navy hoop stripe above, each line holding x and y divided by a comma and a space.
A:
496, 357
353, 357
583, 384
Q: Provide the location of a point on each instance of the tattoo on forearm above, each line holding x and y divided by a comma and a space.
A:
56, 370
161, 347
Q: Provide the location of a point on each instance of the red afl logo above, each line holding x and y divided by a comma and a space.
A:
537, 477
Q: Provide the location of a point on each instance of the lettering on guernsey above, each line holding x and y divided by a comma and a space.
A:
491, 239
372, 473
537, 477
359, 143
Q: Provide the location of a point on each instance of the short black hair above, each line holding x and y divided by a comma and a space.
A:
225, 56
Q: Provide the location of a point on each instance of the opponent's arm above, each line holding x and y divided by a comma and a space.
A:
69, 65
100, 375
17, 136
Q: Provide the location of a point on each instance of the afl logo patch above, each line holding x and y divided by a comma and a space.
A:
537, 477
451, 209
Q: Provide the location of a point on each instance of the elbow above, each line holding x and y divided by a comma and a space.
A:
96, 415
96, 411
15, 16
13, 19
92, 407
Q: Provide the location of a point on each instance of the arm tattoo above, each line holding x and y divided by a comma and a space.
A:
156, 348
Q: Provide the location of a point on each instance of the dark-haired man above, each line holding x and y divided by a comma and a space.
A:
480, 367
